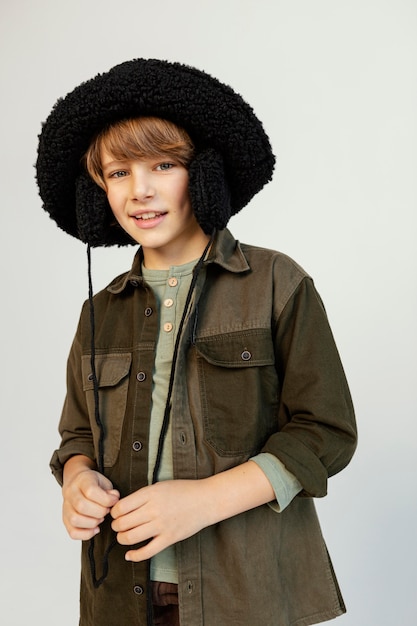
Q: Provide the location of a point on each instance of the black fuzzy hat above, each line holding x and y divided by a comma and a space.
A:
233, 157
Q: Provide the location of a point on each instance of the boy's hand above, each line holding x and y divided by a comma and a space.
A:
88, 498
165, 513
173, 510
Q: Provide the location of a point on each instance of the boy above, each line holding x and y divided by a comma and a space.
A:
206, 401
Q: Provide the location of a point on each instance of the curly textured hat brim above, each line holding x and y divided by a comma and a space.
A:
215, 117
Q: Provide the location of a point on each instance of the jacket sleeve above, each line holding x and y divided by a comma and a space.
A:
74, 426
317, 429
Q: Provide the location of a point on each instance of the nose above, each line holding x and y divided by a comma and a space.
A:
141, 185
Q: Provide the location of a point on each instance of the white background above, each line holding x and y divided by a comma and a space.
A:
335, 85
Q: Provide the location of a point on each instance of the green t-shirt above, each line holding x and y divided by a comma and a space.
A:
171, 288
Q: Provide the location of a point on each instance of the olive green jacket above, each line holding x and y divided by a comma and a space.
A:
257, 370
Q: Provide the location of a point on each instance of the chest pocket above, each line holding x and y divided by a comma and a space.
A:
113, 379
239, 389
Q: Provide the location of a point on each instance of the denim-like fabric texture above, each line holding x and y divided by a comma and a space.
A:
258, 371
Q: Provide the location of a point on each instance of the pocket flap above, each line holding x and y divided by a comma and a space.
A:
110, 369
249, 348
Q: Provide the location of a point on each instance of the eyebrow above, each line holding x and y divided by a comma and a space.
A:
115, 162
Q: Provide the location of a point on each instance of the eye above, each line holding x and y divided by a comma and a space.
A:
162, 167
118, 174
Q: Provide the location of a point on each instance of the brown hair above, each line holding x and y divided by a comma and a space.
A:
137, 138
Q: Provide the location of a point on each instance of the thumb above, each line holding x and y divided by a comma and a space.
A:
105, 483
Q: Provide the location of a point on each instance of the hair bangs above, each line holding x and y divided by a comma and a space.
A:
139, 138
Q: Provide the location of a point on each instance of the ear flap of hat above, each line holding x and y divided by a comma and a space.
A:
95, 220
209, 191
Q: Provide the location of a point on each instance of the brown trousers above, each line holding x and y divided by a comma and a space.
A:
165, 604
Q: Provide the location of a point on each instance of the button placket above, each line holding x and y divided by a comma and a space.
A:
168, 305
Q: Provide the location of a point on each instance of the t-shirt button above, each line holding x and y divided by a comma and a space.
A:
168, 302
168, 327
172, 282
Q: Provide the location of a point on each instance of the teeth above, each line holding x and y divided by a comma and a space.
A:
147, 216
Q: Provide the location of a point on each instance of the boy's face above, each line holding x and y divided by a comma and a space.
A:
150, 200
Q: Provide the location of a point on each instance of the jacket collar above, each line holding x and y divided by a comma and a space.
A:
226, 252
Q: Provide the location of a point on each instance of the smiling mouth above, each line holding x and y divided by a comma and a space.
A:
148, 216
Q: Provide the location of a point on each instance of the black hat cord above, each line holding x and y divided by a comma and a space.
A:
93, 367
100, 461
167, 411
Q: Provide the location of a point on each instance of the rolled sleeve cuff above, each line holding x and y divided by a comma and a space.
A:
61, 456
284, 483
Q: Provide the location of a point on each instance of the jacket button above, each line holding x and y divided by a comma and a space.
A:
141, 376
138, 590
134, 283
137, 446
246, 355
148, 311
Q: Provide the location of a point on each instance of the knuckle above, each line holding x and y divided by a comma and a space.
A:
73, 520
126, 538
72, 532
89, 491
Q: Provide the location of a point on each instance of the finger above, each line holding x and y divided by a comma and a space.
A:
104, 482
83, 534
136, 519
73, 519
85, 507
130, 503
146, 552
84, 519
135, 535
80, 527
97, 495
